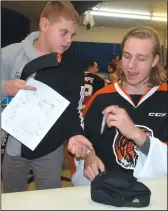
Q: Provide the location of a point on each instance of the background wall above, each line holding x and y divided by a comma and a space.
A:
104, 35
113, 28
101, 44
108, 35
112, 36
102, 53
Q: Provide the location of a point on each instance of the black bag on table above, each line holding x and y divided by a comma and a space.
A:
119, 189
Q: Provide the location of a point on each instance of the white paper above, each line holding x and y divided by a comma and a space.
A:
31, 114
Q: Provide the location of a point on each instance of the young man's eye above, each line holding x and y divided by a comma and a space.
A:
126, 56
141, 59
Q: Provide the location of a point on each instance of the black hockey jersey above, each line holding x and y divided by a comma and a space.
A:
150, 114
67, 80
92, 83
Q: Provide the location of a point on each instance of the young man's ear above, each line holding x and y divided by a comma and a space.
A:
44, 23
155, 61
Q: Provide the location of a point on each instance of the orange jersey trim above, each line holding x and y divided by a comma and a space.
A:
163, 87
108, 89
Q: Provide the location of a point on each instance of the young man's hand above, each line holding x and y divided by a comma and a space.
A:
119, 118
92, 166
13, 86
78, 145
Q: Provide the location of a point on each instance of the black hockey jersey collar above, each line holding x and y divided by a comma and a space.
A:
126, 96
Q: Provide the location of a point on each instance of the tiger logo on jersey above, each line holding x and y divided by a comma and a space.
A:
125, 150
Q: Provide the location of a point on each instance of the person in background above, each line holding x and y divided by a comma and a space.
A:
58, 24
92, 81
112, 72
127, 121
118, 69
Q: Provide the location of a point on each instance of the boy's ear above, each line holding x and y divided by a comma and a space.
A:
44, 23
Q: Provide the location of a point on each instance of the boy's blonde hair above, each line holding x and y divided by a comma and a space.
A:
54, 10
157, 75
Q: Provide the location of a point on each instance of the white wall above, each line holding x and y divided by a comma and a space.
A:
108, 35
33, 26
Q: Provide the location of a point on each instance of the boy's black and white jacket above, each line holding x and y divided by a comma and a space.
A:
67, 79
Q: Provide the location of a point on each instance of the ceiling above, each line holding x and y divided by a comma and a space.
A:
159, 7
32, 10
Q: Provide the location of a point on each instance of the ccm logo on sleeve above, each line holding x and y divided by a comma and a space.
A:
158, 114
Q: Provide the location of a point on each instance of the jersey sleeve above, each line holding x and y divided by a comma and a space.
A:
73, 123
155, 163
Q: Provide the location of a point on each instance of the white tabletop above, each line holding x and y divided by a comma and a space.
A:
77, 198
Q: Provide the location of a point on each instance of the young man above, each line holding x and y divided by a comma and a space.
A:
58, 25
136, 115
92, 82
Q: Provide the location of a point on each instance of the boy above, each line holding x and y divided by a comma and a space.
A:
133, 138
58, 25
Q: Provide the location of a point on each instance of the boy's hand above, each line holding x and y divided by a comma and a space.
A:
92, 166
13, 86
78, 145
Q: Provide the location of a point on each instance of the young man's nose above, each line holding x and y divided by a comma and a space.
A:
132, 63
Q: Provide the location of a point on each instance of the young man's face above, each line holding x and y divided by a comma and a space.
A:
60, 34
137, 60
